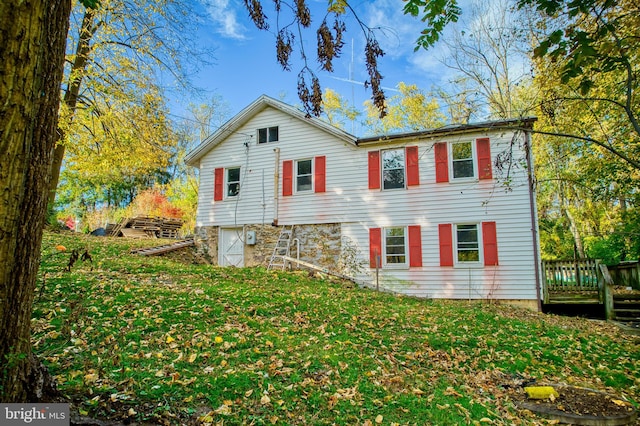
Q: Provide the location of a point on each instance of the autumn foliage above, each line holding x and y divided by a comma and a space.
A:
153, 202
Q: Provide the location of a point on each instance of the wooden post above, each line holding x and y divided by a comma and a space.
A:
545, 282
606, 284
377, 270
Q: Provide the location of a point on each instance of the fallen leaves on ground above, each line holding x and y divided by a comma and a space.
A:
136, 338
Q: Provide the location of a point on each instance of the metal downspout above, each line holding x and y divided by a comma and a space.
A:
276, 180
534, 219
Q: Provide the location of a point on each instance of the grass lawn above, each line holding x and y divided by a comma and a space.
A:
155, 339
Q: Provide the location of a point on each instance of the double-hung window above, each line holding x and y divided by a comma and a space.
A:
462, 160
467, 243
268, 134
233, 181
395, 246
398, 246
393, 169
304, 175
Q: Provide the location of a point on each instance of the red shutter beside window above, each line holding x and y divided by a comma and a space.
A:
319, 176
287, 178
442, 162
374, 170
446, 244
490, 243
415, 246
218, 184
483, 149
375, 246
413, 170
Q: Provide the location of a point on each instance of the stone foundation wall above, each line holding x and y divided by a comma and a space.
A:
206, 239
319, 244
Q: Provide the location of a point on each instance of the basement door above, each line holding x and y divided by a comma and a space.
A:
231, 247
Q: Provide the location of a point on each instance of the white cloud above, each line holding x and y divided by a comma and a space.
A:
225, 20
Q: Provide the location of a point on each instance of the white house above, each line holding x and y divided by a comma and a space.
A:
442, 213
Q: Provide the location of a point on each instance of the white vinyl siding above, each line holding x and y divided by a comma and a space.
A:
348, 201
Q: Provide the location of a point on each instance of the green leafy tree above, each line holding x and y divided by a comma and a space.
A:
337, 111
588, 165
116, 52
410, 110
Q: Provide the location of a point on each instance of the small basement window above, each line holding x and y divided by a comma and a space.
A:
268, 134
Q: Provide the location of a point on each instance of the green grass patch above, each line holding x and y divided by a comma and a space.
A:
155, 339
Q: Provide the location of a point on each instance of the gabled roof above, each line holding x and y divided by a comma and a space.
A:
263, 102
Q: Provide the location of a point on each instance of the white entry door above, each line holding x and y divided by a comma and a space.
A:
231, 248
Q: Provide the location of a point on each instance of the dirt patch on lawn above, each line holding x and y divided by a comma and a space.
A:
579, 403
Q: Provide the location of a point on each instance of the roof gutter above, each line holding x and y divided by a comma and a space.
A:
524, 124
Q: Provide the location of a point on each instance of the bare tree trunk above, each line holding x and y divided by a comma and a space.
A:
577, 238
32, 46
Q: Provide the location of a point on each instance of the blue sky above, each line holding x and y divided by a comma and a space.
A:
245, 63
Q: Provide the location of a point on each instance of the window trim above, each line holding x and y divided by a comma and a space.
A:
479, 242
406, 253
268, 134
474, 161
383, 169
311, 175
227, 182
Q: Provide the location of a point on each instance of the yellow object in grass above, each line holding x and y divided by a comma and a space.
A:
541, 392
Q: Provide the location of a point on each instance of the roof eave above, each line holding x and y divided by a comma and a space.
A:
525, 123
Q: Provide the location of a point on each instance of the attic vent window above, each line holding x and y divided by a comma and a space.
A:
268, 134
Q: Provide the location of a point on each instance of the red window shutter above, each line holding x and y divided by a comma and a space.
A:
218, 184
413, 170
415, 246
483, 149
320, 169
442, 162
374, 170
287, 178
490, 243
446, 244
375, 246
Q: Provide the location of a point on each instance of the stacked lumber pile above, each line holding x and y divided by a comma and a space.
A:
145, 227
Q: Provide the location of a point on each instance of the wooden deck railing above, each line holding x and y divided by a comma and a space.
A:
571, 275
578, 281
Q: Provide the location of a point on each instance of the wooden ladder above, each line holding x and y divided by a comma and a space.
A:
282, 249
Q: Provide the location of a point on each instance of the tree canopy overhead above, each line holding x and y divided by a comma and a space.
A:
292, 17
